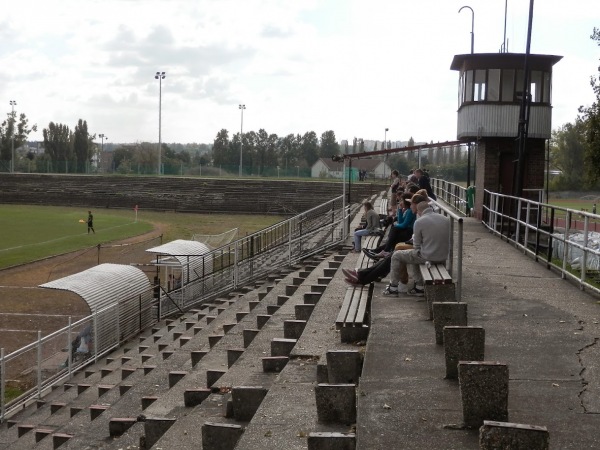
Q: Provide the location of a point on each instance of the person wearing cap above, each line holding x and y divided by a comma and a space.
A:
431, 243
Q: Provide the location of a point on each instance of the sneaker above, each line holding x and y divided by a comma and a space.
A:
391, 290
350, 273
352, 282
416, 292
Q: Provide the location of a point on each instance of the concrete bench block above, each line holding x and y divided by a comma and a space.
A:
125, 359
197, 355
305, 273
155, 427
272, 309
123, 388
448, 314
184, 340
227, 327
212, 376
67, 386
96, 410
233, 354
336, 403
331, 441
312, 298
324, 280
320, 288
462, 344
339, 258
220, 436
253, 304
329, 272
74, 410
148, 368
249, 334
334, 264
282, 347
104, 388
147, 401
39, 403
212, 340
439, 293
303, 311
177, 335
175, 376
322, 373
105, 371
240, 315
171, 327
193, 397
209, 319
197, 330
293, 329
290, 289
221, 310
56, 406
24, 428
189, 325
88, 373
41, 433
162, 347
119, 426
82, 387
484, 391
282, 299
156, 337
261, 320
145, 358
501, 435
274, 363
167, 354
246, 400
142, 348
59, 439
297, 281
344, 366
261, 296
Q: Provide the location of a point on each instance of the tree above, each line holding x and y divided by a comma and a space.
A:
121, 154
329, 145
221, 148
82, 145
567, 153
15, 128
411, 142
309, 148
58, 144
591, 116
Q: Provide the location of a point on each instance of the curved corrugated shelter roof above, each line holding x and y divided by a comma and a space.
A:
187, 253
104, 285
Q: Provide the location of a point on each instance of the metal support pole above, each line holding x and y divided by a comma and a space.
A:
242, 108
39, 364
2, 383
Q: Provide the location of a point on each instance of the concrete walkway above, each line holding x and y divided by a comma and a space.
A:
543, 327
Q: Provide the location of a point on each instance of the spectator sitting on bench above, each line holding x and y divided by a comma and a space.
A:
371, 226
402, 230
431, 240
376, 272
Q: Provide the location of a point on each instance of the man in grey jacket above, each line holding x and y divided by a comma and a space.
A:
431, 242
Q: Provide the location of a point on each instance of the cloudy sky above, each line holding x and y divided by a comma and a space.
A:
352, 66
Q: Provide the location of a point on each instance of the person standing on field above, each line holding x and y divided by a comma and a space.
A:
90, 222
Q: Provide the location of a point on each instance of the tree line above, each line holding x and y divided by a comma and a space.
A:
575, 147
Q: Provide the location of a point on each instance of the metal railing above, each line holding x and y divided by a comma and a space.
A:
455, 255
452, 194
560, 237
32, 370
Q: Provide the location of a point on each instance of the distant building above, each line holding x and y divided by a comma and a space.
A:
326, 168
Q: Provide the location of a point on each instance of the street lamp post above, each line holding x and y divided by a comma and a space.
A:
472, 27
12, 137
102, 136
385, 146
159, 76
242, 108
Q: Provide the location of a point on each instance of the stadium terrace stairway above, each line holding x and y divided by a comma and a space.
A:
186, 371
200, 195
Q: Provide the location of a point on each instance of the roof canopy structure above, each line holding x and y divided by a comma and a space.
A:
184, 254
104, 285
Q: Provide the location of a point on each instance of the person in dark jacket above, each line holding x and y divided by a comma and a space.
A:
424, 183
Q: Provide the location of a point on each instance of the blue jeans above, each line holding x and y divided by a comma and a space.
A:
357, 237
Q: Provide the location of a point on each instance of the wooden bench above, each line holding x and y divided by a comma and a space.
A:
439, 286
353, 320
435, 274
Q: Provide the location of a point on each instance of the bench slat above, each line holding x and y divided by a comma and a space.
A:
351, 317
435, 274
341, 318
362, 307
